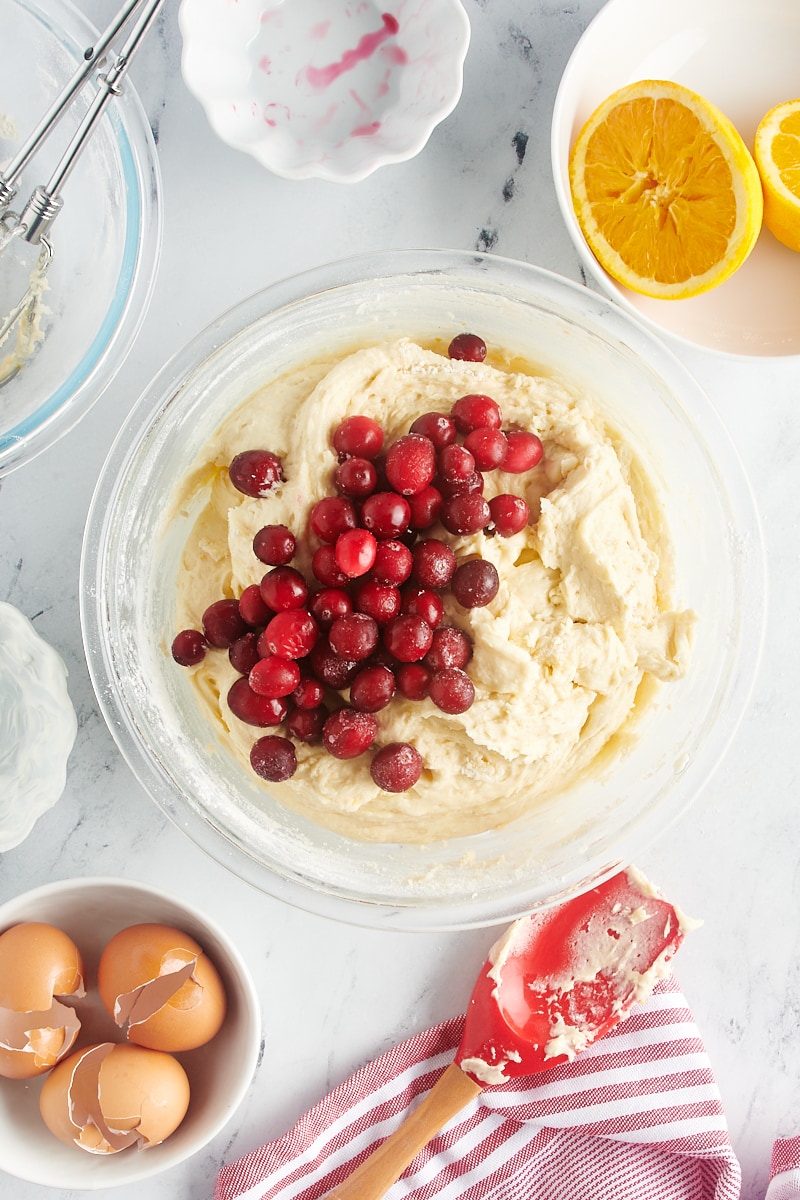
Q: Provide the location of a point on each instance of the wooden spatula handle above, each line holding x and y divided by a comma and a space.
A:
373, 1178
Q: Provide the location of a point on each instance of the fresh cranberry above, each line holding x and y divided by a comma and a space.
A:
326, 569
413, 680
476, 411
223, 623
189, 647
348, 732
509, 514
306, 724
408, 638
422, 602
455, 487
452, 690
381, 601
359, 437
253, 709
475, 583
436, 426
283, 588
273, 758
309, 693
434, 563
523, 453
455, 464
372, 688
450, 647
410, 463
396, 767
255, 472
332, 516
290, 634
468, 347
243, 654
392, 562
274, 545
487, 446
328, 604
465, 513
252, 607
425, 507
385, 514
355, 477
274, 676
355, 552
354, 636
329, 668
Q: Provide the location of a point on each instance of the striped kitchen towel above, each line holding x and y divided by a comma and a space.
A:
637, 1116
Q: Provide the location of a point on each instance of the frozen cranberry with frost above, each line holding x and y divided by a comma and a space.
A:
223, 623
455, 463
408, 638
274, 545
455, 487
475, 583
468, 347
487, 446
392, 562
332, 516
292, 633
413, 680
252, 607
434, 563
425, 507
381, 601
325, 568
330, 668
274, 676
328, 604
358, 437
509, 514
306, 724
524, 451
273, 758
410, 463
355, 552
243, 653
348, 732
283, 588
355, 477
372, 688
189, 647
422, 602
309, 693
396, 767
476, 411
385, 514
451, 647
452, 690
354, 636
255, 472
438, 427
253, 709
465, 513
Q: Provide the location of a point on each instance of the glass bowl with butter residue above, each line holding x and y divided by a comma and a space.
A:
578, 832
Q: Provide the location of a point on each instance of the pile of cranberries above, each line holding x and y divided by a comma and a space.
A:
371, 618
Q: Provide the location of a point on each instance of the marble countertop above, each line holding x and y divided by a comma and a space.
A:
335, 996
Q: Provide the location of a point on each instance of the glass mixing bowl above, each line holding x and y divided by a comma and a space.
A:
132, 551
106, 239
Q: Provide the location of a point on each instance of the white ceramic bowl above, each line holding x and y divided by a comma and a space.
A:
106, 238
333, 91
741, 56
131, 557
91, 911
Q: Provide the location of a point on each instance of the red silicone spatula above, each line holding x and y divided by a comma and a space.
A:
553, 984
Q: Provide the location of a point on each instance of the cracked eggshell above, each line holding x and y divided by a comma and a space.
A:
38, 962
159, 985
109, 1096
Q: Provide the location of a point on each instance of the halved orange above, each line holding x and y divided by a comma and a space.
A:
665, 190
777, 155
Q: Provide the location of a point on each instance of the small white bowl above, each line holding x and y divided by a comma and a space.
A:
742, 57
313, 89
91, 911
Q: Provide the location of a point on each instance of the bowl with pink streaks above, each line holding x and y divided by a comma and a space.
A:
315, 90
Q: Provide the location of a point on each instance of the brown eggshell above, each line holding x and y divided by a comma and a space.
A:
158, 984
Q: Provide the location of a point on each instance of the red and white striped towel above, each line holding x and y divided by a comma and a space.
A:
637, 1116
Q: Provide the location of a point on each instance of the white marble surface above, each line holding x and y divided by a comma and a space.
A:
333, 997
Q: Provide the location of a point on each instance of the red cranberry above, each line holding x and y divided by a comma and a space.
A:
290, 634
380, 601
411, 463
437, 426
255, 472
451, 690
523, 453
450, 648
454, 487
476, 411
385, 514
487, 446
326, 569
223, 623
413, 680
465, 513
396, 767
332, 516
283, 588
306, 724
274, 676
348, 732
372, 688
355, 477
253, 709
434, 563
189, 647
408, 638
392, 562
252, 607
243, 654
468, 347
330, 668
273, 758
354, 636
425, 507
358, 436
355, 552
422, 602
455, 464
475, 583
309, 694
328, 604
509, 513
274, 545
